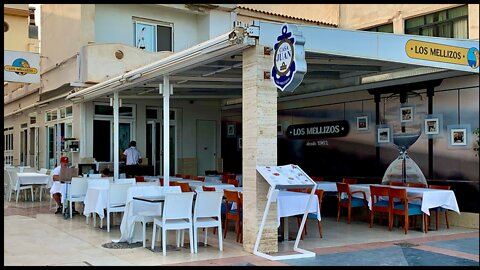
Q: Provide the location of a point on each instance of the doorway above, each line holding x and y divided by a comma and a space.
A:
206, 146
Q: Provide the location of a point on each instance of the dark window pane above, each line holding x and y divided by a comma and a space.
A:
151, 114
164, 38
103, 109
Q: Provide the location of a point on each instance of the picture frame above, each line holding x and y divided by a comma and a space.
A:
231, 130
383, 135
458, 136
362, 123
239, 144
406, 114
431, 126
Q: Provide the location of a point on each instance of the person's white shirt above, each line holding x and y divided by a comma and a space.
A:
57, 186
133, 155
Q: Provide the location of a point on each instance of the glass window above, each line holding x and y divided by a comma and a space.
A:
68, 111
62, 113
151, 113
124, 111
51, 115
387, 28
103, 109
451, 23
153, 36
33, 120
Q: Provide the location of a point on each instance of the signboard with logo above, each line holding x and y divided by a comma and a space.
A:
21, 67
289, 65
318, 130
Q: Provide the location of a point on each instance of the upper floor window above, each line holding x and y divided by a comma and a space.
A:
451, 23
51, 115
152, 36
386, 28
107, 110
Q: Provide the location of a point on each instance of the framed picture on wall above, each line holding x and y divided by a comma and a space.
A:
458, 136
239, 144
362, 122
383, 135
406, 114
431, 126
231, 130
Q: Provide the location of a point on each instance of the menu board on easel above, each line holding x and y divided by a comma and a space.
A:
287, 176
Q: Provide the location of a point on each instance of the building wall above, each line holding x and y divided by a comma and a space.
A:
16, 38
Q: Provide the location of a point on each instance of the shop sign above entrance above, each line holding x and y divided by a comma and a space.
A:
21, 67
289, 65
442, 53
318, 130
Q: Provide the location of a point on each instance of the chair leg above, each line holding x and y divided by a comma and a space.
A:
108, 221
320, 228
446, 218
190, 234
425, 225
70, 204
226, 228
371, 218
338, 212
164, 242
144, 227
349, 213
206, 236
31, 191
153, 235
220, 240
41, 191
195, 239
406, 224
18, 191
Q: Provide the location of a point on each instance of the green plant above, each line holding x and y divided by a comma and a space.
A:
477, 149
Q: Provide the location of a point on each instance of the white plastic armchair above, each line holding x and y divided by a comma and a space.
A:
15, 186
117, 198
207, 214
78, 190
130, 181
176, 215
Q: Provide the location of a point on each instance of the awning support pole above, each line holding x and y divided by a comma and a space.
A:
116, 150
166, 130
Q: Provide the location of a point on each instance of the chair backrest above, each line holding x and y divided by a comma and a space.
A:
130, 181
6, 178
318, 178
187, 176
29, 169
397, 193
399, 184
318, 192
185, 187
205, 188
231, 196
208, 204
178, 175
43, 171
178, 205
95, 175
199, 178
341, 188
78, 187
13, 178
98, 183
117, 194
160, 179
173, 183
233, 182
139, 178
418, 185
439, 187
377, 191
349, 180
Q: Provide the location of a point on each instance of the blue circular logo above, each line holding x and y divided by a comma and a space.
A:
472, 57
21, 63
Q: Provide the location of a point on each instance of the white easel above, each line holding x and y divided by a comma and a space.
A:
272, 195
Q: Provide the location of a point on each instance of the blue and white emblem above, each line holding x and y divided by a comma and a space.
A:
289, 64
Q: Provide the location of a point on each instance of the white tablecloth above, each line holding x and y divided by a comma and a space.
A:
30, 178
239, 189
431, 198
131, 231
214, 179
327, 186
294, 203
96, 200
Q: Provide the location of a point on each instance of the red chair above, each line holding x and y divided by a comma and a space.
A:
378, 205
199, 178
349, 180
419, 185
319, 194
178, 175
403, 208
235, 215
350, 202
139, 179
233, 182
161, 181
318, 178
187, 176
397, 184
185, 187
208, 188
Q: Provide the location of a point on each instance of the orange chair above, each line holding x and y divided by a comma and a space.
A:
319, 193
161, 181
233, 182
236, 215
178, 175
139, 179
439, 209
208, 188
187, 176
378, 205
199, 178
397, 184
349, 180
185, 187
403, 207
419, 185
350, 202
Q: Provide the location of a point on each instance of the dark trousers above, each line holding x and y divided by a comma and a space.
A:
131, 170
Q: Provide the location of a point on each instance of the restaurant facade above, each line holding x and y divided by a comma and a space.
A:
108, 85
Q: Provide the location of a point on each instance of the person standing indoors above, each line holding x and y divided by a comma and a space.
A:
58, 187
132, 158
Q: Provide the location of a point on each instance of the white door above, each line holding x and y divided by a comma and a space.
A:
206, 146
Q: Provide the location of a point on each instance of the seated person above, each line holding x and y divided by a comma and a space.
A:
57, 186
106, 172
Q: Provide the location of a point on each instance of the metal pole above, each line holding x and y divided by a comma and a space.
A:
116, 150
166, 130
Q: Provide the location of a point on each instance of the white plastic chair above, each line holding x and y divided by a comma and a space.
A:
77, 192
13, 185
130, 181
6, 182
207, 214
43, 171
96, 175
117, 197
176, 215
29, 169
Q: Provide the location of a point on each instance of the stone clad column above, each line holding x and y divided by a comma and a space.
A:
259, 120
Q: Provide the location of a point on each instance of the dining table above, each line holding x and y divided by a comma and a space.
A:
96, 201
32, 178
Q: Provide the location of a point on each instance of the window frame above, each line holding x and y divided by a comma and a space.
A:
154, 23
434, 25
